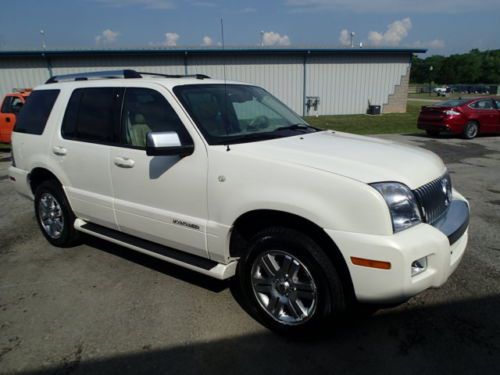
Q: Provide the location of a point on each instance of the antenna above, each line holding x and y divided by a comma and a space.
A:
224, 118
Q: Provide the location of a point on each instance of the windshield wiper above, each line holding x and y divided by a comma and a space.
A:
296, 127
252, 137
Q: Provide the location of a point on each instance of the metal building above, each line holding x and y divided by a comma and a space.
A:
311, 81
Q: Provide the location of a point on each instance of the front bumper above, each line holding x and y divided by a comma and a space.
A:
443, 244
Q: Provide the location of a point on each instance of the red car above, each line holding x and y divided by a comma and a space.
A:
467, 117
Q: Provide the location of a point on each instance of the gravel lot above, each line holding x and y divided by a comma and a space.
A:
100, 308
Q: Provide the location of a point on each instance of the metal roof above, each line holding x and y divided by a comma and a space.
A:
208, 51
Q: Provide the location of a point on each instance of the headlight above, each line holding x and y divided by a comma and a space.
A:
402, 204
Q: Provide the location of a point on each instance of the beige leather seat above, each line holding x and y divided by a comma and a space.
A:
138, 130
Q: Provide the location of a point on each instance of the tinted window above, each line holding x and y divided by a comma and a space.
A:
7, 105
92, 115
144, 111
33, 118
497, 102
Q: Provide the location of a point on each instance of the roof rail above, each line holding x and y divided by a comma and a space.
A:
107, 74
197, 76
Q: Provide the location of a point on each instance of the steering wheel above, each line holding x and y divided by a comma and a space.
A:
260, 122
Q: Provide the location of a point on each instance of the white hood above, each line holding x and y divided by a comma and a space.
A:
361, 158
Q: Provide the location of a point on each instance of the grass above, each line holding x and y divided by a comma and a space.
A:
367, 124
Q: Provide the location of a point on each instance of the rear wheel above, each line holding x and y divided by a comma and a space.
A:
432, 133
288, 283
54, 215
471, 130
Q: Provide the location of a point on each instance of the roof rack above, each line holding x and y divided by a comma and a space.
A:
125, 73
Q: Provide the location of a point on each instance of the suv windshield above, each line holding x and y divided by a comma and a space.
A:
227, 114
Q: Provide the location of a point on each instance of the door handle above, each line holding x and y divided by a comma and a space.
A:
58, 150
123, 162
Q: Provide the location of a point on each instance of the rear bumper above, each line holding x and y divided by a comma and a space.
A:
20, 179
451, 127
443, 245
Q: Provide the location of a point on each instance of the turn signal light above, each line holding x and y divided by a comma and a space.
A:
371, 263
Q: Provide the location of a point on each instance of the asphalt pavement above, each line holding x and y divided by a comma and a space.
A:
99, 308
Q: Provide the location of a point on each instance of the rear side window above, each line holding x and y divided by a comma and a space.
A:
482, 104
93, 115
33, 118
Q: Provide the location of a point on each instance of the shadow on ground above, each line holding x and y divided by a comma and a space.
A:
456, 338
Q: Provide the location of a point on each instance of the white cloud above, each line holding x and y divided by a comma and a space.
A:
147, 4
207, 41
270, 38
345, 38
393, 6
171, 39
436, 44
396, 31
108, 36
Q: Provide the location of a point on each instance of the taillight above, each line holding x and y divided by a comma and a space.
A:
451, 112
12, 155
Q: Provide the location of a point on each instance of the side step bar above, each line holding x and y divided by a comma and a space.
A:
195, 263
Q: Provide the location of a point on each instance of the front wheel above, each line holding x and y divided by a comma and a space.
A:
288, 283
54, 215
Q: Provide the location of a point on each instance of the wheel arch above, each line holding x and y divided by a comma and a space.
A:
249, 223
39, 175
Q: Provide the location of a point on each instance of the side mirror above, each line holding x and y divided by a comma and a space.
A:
166, 143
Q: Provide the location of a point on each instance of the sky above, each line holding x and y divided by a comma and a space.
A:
442, 26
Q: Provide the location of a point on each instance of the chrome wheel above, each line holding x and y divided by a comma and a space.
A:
284, 287
50, 215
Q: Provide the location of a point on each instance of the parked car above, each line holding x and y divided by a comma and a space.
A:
11, 105
441, 91
466, 117
223, 179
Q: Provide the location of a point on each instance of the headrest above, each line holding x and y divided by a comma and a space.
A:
139, 118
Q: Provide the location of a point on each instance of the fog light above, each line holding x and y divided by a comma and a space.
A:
419, 266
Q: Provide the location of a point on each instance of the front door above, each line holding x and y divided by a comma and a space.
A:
486, 114
158, 198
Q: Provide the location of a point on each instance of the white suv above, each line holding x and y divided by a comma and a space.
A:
223, 179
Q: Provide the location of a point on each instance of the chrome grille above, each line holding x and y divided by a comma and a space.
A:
434, 198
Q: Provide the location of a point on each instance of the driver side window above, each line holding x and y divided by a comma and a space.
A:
144, 111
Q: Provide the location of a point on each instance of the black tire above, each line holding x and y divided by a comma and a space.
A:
330, 298
471, 130
67, 236
432, 133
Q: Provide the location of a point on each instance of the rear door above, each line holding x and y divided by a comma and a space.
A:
487, 115
82, 148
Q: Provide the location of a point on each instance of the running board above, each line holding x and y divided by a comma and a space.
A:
195, 263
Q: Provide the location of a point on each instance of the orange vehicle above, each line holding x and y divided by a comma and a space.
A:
11, 105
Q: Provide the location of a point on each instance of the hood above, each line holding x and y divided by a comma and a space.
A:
365, 159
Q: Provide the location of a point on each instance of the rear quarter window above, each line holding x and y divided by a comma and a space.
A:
35, 113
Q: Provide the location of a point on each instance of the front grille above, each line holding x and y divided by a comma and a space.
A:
434, 198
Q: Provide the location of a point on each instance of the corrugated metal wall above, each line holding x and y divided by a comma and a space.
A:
345, 83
